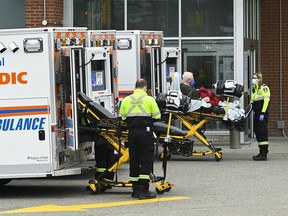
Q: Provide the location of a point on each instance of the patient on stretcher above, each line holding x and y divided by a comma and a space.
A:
232, 115
206, 101
176, 102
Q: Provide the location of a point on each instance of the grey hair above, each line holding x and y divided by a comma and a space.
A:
186, 75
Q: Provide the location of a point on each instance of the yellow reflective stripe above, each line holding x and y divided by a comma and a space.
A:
144, 177
133, 178
100, 169
265, 105
264, 143
136, 105
138, 114
258, 98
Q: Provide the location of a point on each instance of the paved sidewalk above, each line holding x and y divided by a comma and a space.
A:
236, 185
277, 147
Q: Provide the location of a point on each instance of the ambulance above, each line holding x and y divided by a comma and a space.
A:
141, 54
41, 72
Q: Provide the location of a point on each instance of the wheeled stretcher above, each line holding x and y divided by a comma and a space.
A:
195, 124
195, 120
100, 121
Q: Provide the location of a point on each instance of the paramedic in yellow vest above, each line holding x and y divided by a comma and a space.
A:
260, 99
139, 111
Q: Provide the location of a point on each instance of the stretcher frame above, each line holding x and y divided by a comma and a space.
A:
111, 129
195, 121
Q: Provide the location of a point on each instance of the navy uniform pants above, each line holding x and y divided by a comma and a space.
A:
141, 152
261, 128
104, 156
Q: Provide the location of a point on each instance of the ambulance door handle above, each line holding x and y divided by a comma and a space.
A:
41, 134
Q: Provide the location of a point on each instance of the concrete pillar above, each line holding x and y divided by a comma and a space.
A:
234, 135
234, 139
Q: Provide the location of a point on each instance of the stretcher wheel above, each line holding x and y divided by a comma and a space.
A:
96, 191
169, 186
218, 156
168, 189
160, 191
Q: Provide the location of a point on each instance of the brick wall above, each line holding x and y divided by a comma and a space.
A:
270, 58
35, 13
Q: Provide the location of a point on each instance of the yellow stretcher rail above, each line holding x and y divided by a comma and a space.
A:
194, 122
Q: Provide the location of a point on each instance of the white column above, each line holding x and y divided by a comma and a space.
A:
238, 53
68, 13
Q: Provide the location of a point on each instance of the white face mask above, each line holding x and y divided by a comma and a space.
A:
254, 81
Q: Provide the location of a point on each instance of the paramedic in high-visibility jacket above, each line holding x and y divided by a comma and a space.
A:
139, 111
260, 99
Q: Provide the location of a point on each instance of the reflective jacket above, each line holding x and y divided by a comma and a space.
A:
139, 109
260, 98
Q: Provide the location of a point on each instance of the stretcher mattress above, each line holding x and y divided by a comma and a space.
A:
103, 118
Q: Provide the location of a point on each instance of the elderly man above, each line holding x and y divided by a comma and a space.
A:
188, 87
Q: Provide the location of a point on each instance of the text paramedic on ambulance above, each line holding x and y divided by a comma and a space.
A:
139, 110
260, 99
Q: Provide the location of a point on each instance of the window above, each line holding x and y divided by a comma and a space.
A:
12, 14
210, 61
153, 15
207, 18
99, 14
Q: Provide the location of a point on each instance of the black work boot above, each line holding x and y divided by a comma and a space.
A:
262, 156
135, 192
143, 191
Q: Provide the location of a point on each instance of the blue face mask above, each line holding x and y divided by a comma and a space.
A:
192, 82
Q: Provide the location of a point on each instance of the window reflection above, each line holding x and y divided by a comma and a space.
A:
16, 19
210, 61
154, 15
207, 18
99, 14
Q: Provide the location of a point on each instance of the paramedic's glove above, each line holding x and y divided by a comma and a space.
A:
261, 118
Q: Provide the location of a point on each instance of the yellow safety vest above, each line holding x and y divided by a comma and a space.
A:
139, 104
261, 93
